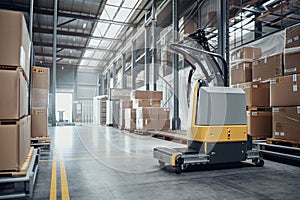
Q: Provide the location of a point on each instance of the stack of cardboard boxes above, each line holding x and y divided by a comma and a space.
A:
39, 102
144, 112
259, 116
275, 85
14, 118
285, 91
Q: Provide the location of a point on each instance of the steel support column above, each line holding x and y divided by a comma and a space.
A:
223, 37
154, 48
31, 54
114, 74
108, 81
133, 65
147, 58
54, 63
176, 122
102, 83
124, 79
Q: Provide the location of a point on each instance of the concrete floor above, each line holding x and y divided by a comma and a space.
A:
107, 163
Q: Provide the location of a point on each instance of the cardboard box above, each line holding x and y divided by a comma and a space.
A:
285, 91
257, 94
245, 53
164, 113
40, 78
241, 73
268, 67
187, 25
291, 61
14, 95
163, 124
152, 112
121, 118
39, 123
14, 40
136, 103
292, 36
286, 123
140, 94
125, 104
130, 124
14, 143
259, 123
39, 98
153, 124
157, 95
130, 113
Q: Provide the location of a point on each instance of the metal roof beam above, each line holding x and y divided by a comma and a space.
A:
60, 13
69, 57
74, 34
42, 44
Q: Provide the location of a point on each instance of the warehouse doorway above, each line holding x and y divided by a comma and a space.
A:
64, 107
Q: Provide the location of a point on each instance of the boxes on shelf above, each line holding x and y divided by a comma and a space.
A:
241, 73
140, 94
153, 124
259, 123
14, 95
286, 124
292, 36
257, 94
155, 95
145, 103
291, 61
122, 118
14, 143
39, 123
268, 67
285, 91
14, 41
245, 54
125, 104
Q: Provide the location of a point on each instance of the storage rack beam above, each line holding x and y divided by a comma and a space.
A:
176, 122
69, 57
54, 64
133, 65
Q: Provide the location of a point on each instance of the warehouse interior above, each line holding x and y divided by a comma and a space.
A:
164, 99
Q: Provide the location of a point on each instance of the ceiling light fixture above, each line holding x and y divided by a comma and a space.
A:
84, 25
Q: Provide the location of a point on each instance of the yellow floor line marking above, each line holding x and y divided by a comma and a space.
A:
53, 178
64, 182
89, 158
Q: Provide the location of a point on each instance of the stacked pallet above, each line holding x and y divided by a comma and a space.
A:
14, 65
285, 93
259, 115
39, 103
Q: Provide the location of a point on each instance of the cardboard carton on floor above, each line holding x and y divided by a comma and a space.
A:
39, 123
40, 78
14, 143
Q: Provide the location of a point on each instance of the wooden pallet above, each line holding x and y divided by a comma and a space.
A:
170, 136
142, 132
289, 143
23, 169
46, 139
255, 108
258, 138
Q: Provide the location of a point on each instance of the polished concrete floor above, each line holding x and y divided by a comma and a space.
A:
95, 162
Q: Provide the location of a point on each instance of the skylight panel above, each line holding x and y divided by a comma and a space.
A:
113, 30
114, 2
100, 29
129, 3
105, 43
98, 55
84, 62
88, 53
122, 14
94, 43
110, 11
93, 63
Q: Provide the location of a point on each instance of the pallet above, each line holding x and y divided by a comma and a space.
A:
45, 139
142, 132
255, 108
170, 136
281, 142
258, 138
23, 169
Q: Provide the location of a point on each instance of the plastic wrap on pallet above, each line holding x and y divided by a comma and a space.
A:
118, 94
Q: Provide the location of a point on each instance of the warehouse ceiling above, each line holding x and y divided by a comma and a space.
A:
91, 33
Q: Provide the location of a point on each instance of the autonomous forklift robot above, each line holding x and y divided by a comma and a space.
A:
218, 124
